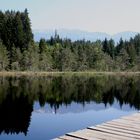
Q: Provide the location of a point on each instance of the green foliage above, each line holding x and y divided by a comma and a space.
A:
42, 45
15, 29
16, 59
45, 59
30, 59
19, 52
4, 61
122, 60
67, 60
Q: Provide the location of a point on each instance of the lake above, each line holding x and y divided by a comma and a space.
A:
46, 107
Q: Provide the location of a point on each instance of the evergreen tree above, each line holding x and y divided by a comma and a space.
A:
18, 51
19, 32
42, 45
45, 61
25, 60
123, 60
4, 61
105, 45
15, 29
111, 48
2, 19
136, 43
67, 60
28, 35
32, 58
132, 54
16, 59
120, 46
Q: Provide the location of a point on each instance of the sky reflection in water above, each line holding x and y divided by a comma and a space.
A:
47, 107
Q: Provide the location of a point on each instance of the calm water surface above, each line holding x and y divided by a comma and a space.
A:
33, 108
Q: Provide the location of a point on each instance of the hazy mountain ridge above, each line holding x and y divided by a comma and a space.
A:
78, 35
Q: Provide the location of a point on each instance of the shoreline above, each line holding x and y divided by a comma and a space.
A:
58, 73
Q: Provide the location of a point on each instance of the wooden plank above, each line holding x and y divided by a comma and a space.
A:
136, 114
118, 129
132, 119
84, 134
70, 138
116, 125
105, 135
133, 116
125, 121
131, 123
135, 127
90, 134
115, 132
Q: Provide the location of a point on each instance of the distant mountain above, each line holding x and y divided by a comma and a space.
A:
78, 35
124, 35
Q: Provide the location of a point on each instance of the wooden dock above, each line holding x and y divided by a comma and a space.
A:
125, 128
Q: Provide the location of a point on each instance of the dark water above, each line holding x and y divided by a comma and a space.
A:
47, 107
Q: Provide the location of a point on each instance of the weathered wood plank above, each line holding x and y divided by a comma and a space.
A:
131, 123
132, 119
84, 134
90, 134
125, 127
137, 116
119, 130
70, 138
115, 132
107, 136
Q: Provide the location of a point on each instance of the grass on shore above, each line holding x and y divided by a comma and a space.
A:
43, 73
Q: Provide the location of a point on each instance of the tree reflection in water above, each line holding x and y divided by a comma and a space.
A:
18, 95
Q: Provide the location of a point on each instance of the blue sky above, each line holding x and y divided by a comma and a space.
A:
110, 16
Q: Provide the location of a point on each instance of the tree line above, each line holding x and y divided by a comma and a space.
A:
18, 50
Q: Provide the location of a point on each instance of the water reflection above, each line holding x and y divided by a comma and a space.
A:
19, 94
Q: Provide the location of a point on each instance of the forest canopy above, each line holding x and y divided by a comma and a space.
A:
19, 52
